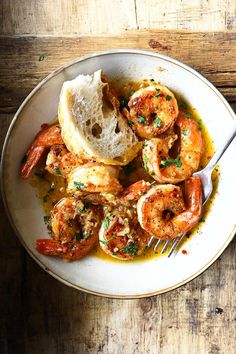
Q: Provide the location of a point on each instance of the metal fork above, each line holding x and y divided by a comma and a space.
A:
205, 175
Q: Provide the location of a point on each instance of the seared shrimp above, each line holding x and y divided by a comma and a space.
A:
162, 211
48, 135
128, 197
74, 229
153, 110
94, 177
165, 169
121, 236
60, 162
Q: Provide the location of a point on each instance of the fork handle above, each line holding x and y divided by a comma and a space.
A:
222, 147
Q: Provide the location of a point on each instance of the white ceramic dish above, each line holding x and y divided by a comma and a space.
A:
94, 275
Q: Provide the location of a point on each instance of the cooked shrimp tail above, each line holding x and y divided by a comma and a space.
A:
70, 251
49, 135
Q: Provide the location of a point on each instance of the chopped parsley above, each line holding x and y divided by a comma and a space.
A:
199, 122
169, 162
183, 105
145, 249
105, 223
131, 249
157, 89
130, 123
79, 185
185, 132
188, 115
57, 170
105, 242
141, 119
152, 80
168, 98
131, 93
158, 95
157, 122
79, 235
41, 57
145, 161
81, 209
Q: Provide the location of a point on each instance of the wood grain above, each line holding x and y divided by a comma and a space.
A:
26, 60
84, 17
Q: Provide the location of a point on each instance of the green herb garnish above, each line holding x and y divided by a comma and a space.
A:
79, 185
145, 249
57, 170
158, 95
41, 57
199, 122
168, 98
130, 123
157, 89
169, 162
152, 80
141, 119
185, 132
188, 115
79, 235
145, 161
81, 209
157, 122
131, 93
105, 223
183, 105
105, 242
131, 249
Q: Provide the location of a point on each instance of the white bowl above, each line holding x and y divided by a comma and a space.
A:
95, 275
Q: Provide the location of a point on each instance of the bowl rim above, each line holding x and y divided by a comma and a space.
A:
6, 141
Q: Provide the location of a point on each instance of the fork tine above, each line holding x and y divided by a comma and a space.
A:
175, 244
165, 246
150, 241
157, 244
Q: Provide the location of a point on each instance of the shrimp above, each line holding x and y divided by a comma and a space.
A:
75, 227
94, 177
121, 236
48, 135
165, 169
60, 161
153, 110
162, 211
128, 197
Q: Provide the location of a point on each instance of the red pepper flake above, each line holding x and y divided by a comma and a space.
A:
184, 252
209, 157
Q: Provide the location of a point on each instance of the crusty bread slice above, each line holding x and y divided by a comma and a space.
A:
90, 121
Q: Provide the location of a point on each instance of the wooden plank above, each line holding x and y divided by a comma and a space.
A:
26, 60
83, 17
40, 315
195, 15
66, 17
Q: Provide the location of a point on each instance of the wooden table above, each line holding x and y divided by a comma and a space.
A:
37, 313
